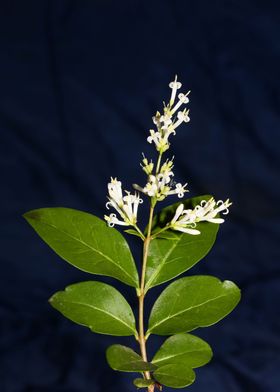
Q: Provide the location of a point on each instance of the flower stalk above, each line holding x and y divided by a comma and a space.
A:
142, 338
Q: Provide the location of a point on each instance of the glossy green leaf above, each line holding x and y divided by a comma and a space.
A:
124, 359
85, 241
175, 375
192, 302
97, 306
183, 348
142, 383
173, 253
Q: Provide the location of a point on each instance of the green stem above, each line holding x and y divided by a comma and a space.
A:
141, 297
158, 162
160, 231
140, 232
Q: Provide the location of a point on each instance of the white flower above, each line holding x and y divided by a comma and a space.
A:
130, 207
181, 116
166, 171
208, 210
151, 187
160, 139
179, 190
165, 121
115, 191
174, 86
186, 220
167, 133
126, 206
113, 220
165, 177
155, 137
178, 212
183, 99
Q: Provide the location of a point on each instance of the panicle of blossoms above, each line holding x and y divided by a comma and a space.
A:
160, 185
186, 220
160, 182
166, 123
126, 205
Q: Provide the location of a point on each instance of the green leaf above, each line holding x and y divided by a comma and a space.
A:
169, 257
192, 302
175, 375
142, 383
86, 242
124, 359
97, 306
187, 349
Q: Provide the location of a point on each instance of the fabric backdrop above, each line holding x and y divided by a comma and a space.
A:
79, 83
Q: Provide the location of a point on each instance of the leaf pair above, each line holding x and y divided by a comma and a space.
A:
171, 366
87, 243
185, 305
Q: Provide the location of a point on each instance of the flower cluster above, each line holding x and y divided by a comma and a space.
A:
165, 123
186, 220
126, 206
160, 185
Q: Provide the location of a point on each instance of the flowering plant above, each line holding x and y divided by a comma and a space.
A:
175, 239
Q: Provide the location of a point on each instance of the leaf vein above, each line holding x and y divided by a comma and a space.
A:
90, 247
186, 310
102, 311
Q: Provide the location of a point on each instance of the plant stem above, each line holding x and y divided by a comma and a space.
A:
142, 339
140, 232
160, 231
158, 162
147, 240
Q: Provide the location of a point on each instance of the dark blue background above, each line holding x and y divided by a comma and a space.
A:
79, 83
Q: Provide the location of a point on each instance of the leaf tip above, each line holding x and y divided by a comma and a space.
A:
31, 215
228, 284
53, 299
